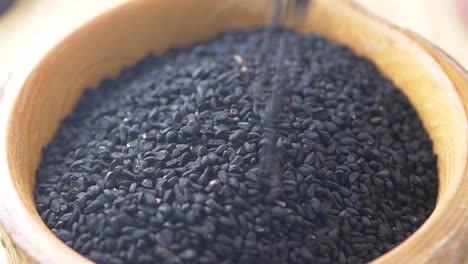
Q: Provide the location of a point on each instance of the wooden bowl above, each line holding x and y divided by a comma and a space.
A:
46, 89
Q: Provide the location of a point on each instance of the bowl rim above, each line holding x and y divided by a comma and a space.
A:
11, 204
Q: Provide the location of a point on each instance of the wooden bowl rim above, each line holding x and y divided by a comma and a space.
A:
11, 204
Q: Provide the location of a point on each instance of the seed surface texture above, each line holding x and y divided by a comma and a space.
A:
163, 164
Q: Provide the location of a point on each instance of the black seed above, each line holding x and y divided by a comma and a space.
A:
93, 192
233, 182
94, 206
64, 235
149, 199
220, 116
279, 212
297, 155
253, 135
165, 209
216, 142
316, 205
188, 254
202, 151
161, 155
305, 253
382, 174
81, 201
244, 125
171, 136
238, 160
237, 135
56, 204
147, 183
353, 176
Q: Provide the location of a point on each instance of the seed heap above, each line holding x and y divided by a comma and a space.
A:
161, 164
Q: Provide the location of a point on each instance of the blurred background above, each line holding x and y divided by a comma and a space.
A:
27, 22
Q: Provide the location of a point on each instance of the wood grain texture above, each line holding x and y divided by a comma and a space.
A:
14, 255
456, 242
31, 111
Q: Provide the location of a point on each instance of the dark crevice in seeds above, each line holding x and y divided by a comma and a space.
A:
163, 163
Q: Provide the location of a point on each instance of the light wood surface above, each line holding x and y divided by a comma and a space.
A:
433, 84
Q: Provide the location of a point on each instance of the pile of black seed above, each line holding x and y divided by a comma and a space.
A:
161, 164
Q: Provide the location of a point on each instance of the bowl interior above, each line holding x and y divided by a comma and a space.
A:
125, 34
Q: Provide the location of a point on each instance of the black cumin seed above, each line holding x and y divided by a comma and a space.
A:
162, 164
